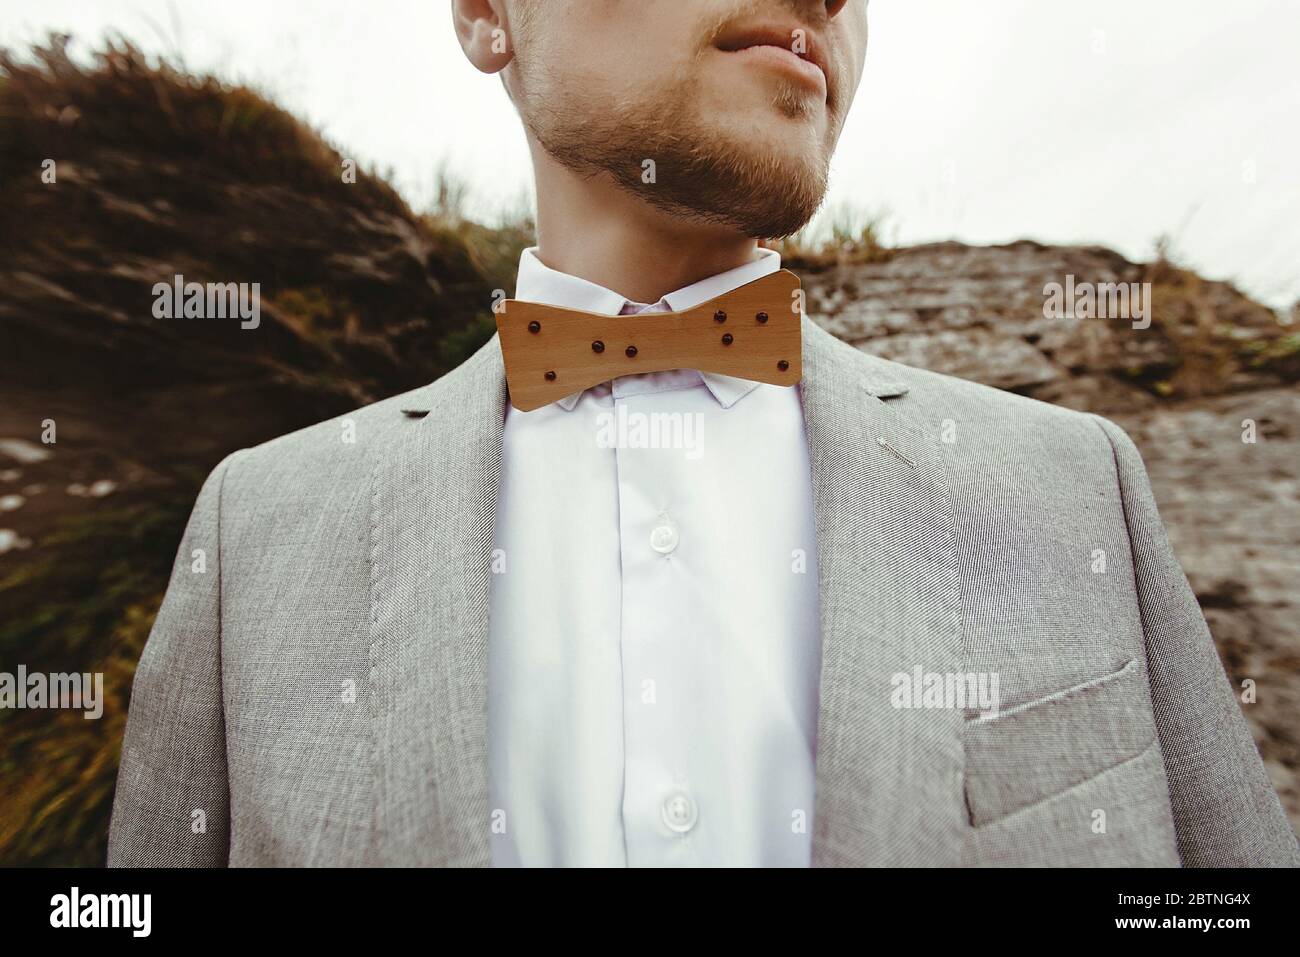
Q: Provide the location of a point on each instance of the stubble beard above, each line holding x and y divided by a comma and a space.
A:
699, 174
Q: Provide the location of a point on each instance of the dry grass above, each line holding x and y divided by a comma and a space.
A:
846, 235
58, 816
129, 127
141, 104
1212, 334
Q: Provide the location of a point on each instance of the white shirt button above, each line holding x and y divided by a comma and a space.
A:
663, 538
680, 812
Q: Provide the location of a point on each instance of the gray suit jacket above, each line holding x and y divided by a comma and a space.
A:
315, 692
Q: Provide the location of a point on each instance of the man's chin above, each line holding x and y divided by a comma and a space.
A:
768, 135
783, 154
765, 201
748, 167
771, 110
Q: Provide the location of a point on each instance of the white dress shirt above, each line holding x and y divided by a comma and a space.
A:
654, 645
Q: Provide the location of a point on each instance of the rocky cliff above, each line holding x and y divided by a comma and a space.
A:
1211, 361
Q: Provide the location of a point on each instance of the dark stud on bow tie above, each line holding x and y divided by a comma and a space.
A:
631, 352
727, 339
719, 316
534, 326
598, 346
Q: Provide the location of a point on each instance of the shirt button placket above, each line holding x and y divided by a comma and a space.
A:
657, 810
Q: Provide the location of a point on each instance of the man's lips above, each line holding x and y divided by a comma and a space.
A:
794, 49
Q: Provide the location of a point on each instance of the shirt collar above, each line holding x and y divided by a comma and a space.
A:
538, 282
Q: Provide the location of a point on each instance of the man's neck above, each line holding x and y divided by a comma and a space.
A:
591, 229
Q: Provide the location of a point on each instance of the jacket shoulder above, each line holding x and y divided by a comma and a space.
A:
320, 451
345, 445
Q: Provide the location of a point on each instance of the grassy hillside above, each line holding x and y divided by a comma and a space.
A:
157, 173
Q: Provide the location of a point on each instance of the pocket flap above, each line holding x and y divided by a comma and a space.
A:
1035, 750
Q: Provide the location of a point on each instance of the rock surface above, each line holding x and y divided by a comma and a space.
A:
1211, 359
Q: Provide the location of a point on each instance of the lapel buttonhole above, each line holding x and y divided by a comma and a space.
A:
886, 445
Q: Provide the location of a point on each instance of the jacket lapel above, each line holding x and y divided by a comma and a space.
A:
433, 507
889, 780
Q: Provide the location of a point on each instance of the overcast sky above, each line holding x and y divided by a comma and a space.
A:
1110, 121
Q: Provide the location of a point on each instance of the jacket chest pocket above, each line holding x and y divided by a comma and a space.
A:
1047, 746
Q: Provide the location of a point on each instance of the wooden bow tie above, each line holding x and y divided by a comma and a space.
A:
752, 332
